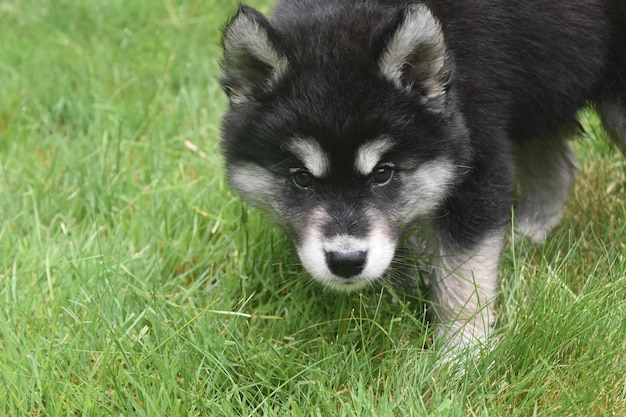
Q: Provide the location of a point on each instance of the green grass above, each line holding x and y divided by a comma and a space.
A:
133, 282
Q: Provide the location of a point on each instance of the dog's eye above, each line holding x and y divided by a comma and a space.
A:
382, 175
302, 179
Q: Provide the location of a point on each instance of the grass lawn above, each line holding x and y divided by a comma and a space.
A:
133, 282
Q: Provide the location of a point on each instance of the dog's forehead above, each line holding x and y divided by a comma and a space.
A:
320, 161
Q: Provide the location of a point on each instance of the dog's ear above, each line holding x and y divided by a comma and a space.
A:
415, 57
251, 57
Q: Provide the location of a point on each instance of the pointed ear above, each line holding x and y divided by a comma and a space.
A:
251, 58
415, 57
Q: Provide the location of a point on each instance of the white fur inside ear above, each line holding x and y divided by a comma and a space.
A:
250, 57
418, 44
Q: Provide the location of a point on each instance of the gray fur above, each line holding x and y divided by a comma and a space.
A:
250, 58
418, 47
545, 172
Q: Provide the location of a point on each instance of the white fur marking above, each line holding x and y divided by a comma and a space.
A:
426, 188
255, 183
369, 155
311, 154
312, 252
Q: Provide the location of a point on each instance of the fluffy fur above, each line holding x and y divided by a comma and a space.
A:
355, 122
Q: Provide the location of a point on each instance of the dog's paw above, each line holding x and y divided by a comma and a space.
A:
536, 228
463, 336
536, 233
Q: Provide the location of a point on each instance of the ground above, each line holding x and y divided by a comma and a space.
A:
133, 282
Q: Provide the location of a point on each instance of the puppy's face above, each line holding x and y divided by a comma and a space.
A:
348, 162
346, 211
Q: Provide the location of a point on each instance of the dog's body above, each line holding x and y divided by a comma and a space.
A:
356, 121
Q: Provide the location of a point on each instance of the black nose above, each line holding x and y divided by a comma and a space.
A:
346, 264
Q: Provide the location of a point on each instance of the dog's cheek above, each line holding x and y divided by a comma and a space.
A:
426, 188
256, 186
382, 241
308, 238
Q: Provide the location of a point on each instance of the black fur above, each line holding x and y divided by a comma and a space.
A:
514, 72
522, 70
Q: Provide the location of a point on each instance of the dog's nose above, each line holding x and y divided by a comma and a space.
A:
346, 264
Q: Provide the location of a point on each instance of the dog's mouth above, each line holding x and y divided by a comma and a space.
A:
345, 263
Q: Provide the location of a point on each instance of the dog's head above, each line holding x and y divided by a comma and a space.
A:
343, 125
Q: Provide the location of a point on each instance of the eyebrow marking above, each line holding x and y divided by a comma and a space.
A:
370, 154
311, 154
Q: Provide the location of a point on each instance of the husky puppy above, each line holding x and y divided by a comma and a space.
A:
356, 122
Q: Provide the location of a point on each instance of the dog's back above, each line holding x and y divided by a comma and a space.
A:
518, 61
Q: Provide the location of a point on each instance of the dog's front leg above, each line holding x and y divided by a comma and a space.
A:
464, 285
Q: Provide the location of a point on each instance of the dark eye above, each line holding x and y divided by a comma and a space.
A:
302, 179
382, 175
